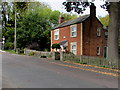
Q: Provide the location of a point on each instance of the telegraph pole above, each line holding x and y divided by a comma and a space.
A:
15, 34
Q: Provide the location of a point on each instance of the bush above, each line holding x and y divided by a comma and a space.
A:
21, 51
56, 46
31, 54
9, 46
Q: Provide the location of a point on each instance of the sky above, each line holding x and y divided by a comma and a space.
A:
57, 5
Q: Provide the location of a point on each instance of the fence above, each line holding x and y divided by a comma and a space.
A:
90, 60
37, 53
79, 59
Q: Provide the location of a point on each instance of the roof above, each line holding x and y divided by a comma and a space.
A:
73, 21
63, 42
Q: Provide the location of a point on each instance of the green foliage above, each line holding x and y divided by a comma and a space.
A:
8, 46
56, 46
11, 51
68, 16
34, 29
104, 20
31, 54
34, 22
20, 6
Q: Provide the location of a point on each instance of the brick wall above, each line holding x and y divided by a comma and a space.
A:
90, 38
64, 34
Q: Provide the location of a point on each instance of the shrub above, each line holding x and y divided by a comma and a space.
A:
31, 54
83, 63
56, 46
21, 51
50, 56
8, 46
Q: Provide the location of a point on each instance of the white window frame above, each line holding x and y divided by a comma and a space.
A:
57, 30
71, 31
98, 31
98, 51
71, 49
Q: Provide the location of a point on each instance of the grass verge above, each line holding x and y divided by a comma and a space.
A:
11, 51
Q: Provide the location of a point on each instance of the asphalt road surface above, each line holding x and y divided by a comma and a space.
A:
20, 71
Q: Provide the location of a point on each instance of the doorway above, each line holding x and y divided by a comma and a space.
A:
105, 52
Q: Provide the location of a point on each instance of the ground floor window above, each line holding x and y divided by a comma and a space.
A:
98, 51
74, 48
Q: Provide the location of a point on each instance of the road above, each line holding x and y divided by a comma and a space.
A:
20, 71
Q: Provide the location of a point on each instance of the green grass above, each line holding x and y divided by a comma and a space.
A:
10, 51
13, 52
80, 62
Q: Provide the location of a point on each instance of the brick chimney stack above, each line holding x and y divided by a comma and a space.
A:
60, 19
92, 10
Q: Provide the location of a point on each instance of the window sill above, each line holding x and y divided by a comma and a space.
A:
56, 39
98, 36
73, 36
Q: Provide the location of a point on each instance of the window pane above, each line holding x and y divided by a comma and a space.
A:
74, 29
98, 31
56, 34
74, 47
73, 33
74, 51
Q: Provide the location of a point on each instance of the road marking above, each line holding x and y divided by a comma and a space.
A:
106, 73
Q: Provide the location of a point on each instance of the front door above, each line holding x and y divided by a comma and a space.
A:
105, 52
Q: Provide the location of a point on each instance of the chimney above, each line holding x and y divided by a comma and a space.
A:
60, 19
92, 10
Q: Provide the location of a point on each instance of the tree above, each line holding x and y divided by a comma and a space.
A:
56, 46
104, 20
7, 23
34, 22
113, 29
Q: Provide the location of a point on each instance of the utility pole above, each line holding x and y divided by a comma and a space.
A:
15, 34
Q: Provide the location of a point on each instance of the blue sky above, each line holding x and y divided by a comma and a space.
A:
57, 5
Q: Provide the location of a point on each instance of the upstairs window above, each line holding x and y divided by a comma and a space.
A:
98, 32
106, 35
73, 31
98, 51
56, 34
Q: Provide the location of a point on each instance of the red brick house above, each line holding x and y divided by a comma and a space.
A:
82, 36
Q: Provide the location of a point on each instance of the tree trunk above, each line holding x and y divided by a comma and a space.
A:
113, 30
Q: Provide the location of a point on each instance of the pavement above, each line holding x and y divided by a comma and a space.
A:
92, 68
20, 71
